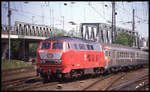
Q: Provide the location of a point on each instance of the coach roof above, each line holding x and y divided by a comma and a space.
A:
71, 39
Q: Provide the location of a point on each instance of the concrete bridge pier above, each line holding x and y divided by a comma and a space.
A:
4, 48
24, 50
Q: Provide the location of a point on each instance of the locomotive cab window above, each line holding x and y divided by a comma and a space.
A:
57, 46
45, 45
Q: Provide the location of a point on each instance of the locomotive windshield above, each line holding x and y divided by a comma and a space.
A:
57, 46
45, 45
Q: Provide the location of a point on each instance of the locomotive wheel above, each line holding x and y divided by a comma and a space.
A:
113, 70
101, 71
81, 73
126, 69
46, 78
96, 71
73, 74
119, 69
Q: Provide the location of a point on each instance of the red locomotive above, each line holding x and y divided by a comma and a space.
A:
62, 57
69, 57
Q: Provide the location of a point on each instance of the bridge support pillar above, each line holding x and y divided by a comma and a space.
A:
24, 50
4, 48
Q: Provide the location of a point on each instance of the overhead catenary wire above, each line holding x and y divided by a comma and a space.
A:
126, 11
27, 14
131, 14
97, 12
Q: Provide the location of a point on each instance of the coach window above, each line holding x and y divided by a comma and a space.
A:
121, 54
109, 53
137, 55
106, 53
131, 54
117, 54
126, 54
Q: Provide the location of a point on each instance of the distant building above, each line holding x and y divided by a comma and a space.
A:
143, 42
102, 32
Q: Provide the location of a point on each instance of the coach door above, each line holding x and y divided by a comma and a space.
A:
113, 57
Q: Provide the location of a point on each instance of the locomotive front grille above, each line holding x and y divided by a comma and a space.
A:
50, 61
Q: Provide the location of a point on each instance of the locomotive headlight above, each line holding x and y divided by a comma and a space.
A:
58, 62
42, 61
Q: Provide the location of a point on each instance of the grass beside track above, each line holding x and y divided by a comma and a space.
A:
13, 64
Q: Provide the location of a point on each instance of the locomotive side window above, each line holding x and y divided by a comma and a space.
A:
57, 46
68, 46
97, 47
90, 47
45, 46
82, 46
73, 46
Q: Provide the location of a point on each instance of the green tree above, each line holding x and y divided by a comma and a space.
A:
59, 32
125, 39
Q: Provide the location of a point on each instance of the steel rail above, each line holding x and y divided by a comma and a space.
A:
101, 78
114, 81
124, 85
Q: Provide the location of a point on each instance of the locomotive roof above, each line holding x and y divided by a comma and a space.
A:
71, 39
77, 39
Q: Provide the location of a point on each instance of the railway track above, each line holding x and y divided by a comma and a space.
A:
96, 85
113, 78
27, 84
18, 83
104, 82
137, 84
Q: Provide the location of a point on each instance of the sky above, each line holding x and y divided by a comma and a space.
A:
54, 13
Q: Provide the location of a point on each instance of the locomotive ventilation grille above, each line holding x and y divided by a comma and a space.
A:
50, 58
50, 61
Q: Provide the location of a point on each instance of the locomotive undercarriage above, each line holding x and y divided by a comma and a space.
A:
115, 69
79, 73
73, 74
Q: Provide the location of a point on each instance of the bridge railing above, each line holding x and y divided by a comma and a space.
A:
27, 30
